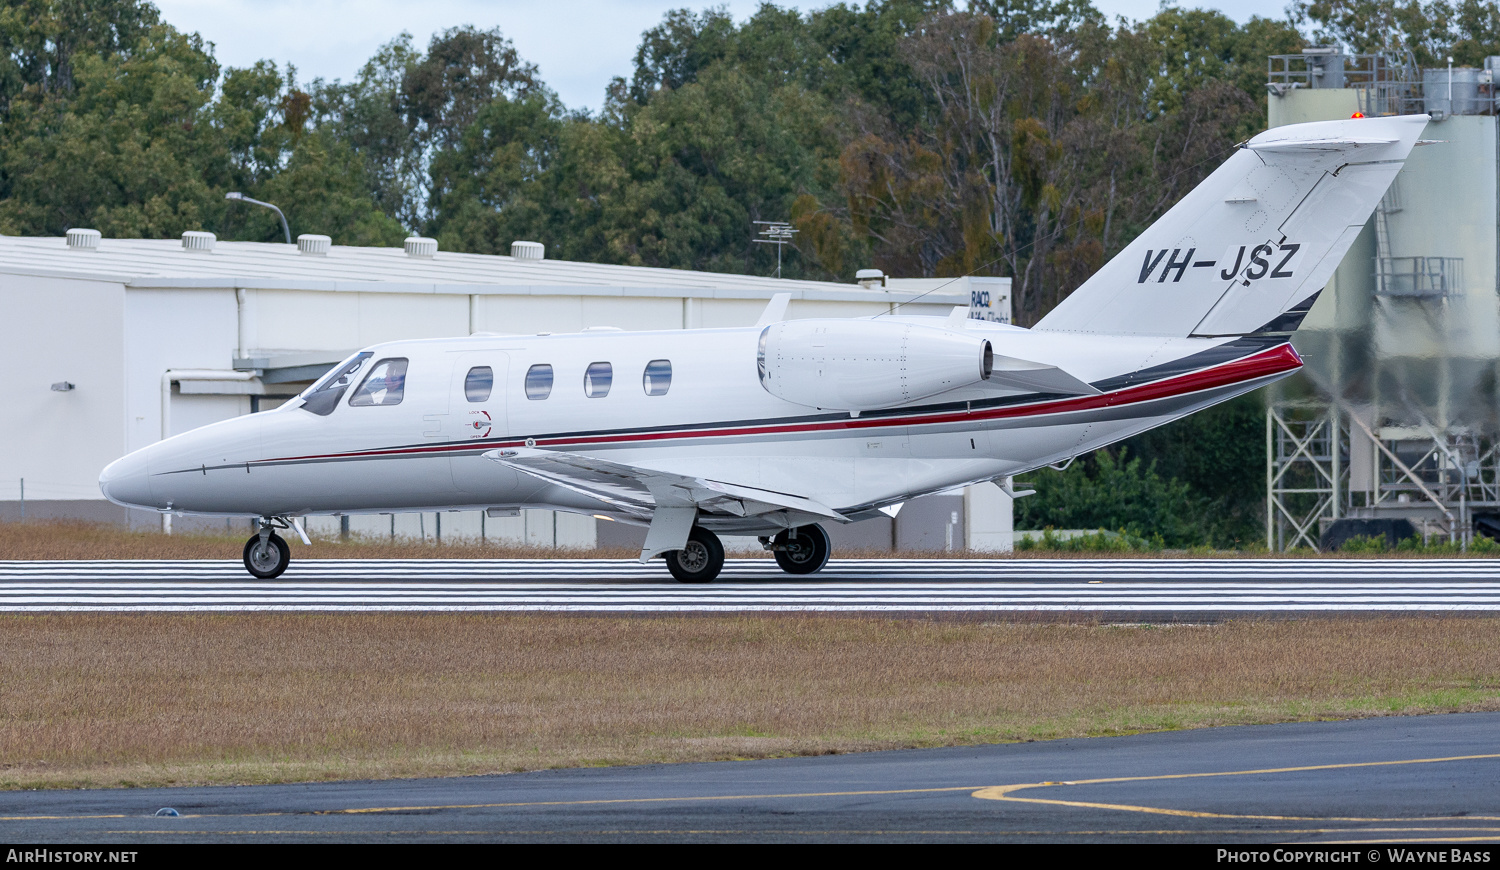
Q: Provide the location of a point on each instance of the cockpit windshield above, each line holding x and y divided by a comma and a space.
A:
322, 397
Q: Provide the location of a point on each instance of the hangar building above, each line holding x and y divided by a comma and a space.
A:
109, 345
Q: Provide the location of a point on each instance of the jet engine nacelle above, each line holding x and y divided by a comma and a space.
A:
863, 365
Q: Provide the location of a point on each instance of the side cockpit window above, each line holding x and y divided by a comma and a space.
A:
384, 385
478, 383
539, 382
322, 397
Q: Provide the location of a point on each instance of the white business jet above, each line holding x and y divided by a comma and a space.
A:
775, 429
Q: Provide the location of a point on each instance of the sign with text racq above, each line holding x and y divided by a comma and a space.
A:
989, 299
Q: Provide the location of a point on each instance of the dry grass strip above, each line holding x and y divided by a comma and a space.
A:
102, 700
67, 539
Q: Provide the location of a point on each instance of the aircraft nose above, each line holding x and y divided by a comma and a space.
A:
127, 481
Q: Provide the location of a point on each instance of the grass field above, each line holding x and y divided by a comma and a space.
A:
160, 699
150, 699
76, 540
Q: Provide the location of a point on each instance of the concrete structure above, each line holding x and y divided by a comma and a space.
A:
1397, 413
111, 344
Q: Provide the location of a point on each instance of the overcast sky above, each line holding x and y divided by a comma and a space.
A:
577, 44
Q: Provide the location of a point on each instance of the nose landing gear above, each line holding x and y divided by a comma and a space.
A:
266, 553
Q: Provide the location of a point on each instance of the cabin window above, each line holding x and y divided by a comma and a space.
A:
539, 381
658, 377
478, 384
597, 378
384, 385
322, 397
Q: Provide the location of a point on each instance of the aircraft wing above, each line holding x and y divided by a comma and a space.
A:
645, 489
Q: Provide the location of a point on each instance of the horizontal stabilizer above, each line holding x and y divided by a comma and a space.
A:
1344, 143
640, 490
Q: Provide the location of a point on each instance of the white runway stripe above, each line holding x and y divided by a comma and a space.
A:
871, 585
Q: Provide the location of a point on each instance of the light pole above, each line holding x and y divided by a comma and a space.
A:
236, 196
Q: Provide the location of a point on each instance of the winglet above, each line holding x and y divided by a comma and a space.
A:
775, 310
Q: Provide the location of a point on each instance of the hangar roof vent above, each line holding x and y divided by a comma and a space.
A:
314, 245
870, 278
528, 250
84, 240
195, 240
420, 247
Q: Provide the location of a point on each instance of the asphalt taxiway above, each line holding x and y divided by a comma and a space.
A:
1422, 779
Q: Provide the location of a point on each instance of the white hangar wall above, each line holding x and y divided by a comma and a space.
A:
56, 331
242, 328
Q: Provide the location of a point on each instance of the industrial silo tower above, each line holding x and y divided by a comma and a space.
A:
1395, 418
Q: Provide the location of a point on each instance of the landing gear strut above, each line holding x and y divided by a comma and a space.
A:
266, 553
700, 560
803, 550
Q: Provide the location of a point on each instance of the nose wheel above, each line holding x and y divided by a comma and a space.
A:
700, 560
267, 555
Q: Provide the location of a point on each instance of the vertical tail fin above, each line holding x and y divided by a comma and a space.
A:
1256, 239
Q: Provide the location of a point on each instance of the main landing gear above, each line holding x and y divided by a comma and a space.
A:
700, 560
803, 550
266, 553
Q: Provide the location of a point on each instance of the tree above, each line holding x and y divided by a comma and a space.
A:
128, 152
705, 160
1468, 30
42, 40
1114, 492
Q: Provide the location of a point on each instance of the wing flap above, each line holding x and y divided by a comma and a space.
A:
645, 489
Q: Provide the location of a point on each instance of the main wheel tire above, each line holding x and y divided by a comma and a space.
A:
700, 561
805, 554
267, 558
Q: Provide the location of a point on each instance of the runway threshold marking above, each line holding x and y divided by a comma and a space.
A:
1004, 792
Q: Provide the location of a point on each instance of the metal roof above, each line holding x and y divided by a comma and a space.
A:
153, 263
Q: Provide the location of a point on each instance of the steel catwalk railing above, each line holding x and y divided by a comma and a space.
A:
1438, 479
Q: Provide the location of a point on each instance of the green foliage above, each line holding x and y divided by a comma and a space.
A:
128, 151
1096, 542
1365, 544
1437, 546
1466, 30
1219, 454
1022, 137
1197, 482
1114, 492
